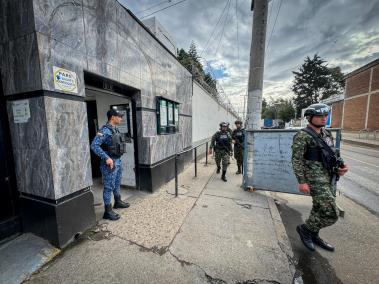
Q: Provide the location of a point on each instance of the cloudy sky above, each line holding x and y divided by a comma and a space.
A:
343, 32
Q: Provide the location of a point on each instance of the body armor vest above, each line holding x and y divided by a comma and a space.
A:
118, 146
222, 141
239, 137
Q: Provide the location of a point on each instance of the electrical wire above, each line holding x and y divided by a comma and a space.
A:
214, 29
273, 28
223, 29
163, 9
238, 43
153, 6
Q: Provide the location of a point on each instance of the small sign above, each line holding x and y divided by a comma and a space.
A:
21, 111
163, 113
65, 80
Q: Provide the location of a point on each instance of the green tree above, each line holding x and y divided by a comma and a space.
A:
286, 111
190, 60
315, 81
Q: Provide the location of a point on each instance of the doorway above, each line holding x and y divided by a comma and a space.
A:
10, 223
98, 103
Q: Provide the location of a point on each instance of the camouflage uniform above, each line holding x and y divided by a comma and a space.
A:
239, 136
221, 143
324, 210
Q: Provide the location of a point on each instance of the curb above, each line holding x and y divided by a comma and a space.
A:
359, 143
281, 234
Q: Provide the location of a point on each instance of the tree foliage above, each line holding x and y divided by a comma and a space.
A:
190, 60
315, 81
278, 109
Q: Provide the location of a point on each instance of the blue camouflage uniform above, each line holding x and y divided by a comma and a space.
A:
111, 177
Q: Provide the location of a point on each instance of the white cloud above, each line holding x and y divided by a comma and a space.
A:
343, 32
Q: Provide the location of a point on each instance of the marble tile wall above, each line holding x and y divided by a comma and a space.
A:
16, 19
69, 146
19, 64
31, 150
101, 37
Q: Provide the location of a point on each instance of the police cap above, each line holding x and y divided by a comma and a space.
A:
317, 109
113, 112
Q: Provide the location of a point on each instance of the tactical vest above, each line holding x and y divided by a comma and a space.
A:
118, 146
324, 152
239, 135
223, 141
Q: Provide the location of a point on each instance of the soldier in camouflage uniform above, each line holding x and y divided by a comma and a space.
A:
222, 145
315, 177
238, 137
106, 145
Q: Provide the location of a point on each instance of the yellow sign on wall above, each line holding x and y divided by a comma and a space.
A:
65, 80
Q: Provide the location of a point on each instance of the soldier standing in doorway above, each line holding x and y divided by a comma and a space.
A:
238, 137
222, 145
317, 167
109, 145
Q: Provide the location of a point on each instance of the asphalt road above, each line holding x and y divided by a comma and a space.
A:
354, 236
361, 183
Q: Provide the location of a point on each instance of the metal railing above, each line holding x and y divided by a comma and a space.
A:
195, 160
368, 134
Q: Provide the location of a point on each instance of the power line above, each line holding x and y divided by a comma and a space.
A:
223, 28
238, 44
153, 6
273, 28
163, 9
214, 29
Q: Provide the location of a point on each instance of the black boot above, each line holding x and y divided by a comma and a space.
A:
306, 237
110, 214
223, 176
321, 243
218, 170
239, 170
118, 203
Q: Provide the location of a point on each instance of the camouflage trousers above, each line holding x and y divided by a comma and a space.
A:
238, 155
222, 156
111, 180
324, 210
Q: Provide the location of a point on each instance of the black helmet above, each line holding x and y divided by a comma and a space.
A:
238, 122
223, 124
317, 109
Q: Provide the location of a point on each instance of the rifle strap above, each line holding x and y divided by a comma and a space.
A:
319, 140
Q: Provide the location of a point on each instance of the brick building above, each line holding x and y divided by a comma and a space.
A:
359, 107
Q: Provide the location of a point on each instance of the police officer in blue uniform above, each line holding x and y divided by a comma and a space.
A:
109, 144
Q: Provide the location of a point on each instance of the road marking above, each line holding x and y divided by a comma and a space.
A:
349, 157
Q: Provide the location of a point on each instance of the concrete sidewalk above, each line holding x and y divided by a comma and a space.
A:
214, 232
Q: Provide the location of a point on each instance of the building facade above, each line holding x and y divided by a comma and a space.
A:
358, 109
63, 65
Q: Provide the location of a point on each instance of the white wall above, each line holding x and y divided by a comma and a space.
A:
207, 114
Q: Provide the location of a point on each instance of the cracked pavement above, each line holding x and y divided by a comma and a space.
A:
214, 232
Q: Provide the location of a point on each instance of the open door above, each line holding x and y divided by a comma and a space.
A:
127, 160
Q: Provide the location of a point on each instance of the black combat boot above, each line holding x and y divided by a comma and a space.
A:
223, 176
306, 237
239, 170
110, 214
321, 243
218, 170
118, 203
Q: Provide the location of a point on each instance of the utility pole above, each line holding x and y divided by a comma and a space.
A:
255, 86
257, 55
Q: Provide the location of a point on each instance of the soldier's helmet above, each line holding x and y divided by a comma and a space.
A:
223, 124
317, 109
238, 122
